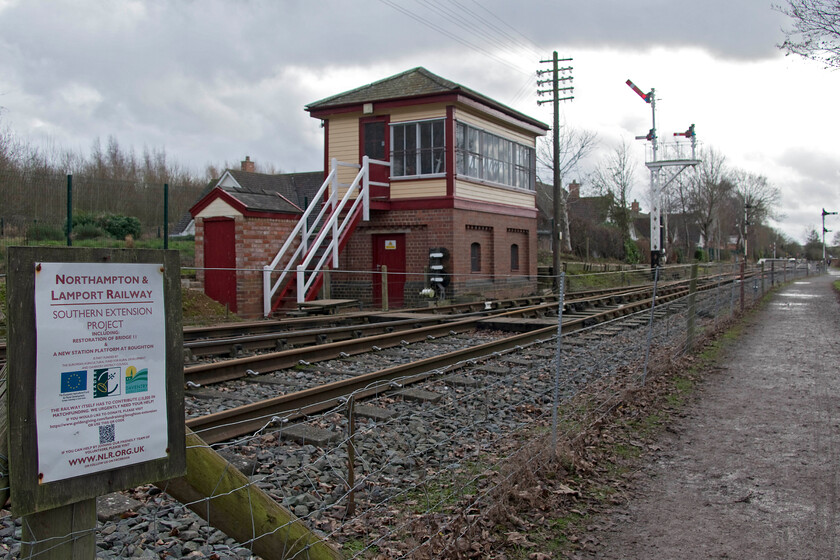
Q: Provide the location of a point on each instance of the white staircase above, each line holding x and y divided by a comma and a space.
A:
321, 236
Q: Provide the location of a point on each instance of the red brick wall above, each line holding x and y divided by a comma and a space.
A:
455, 230
259, 239
257, 242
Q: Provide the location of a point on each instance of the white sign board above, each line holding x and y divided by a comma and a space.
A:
390, 244
100, 389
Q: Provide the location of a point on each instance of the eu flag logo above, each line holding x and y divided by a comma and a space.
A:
73, 381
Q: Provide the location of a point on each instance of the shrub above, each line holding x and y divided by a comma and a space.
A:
41, 232
631, 252
119, 226
700, 255
87, 231
84, 219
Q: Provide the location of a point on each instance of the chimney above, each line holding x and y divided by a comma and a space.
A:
574, 190
248, 165
635, 206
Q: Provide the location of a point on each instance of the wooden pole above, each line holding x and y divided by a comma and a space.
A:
692, 311
62, 533
351, 456
4, 441
384, 288
327, 284
225, 498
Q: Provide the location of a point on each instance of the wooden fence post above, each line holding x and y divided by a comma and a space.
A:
692, 311
223, 496
384, 288
351, 456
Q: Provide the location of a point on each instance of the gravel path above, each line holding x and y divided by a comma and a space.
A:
752, 470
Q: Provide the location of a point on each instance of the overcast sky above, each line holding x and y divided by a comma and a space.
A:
214, 81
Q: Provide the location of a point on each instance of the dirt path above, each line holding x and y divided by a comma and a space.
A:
752, 470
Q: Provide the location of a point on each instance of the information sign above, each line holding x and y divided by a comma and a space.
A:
100, 389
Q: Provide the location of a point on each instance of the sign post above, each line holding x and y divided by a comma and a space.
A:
95, 379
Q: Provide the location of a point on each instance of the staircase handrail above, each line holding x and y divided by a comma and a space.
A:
336, 226
305, 233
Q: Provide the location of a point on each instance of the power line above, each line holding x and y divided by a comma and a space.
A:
449, 34
532, 46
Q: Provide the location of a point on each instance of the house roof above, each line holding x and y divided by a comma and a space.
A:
415, 83
258, 191
286, 193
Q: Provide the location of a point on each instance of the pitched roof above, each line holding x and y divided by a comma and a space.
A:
287, 193
417, 82
258, 191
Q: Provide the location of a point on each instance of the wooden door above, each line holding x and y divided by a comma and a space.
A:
389, 250
220, 260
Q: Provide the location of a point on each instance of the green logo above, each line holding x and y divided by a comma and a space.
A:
136, 381
106, 382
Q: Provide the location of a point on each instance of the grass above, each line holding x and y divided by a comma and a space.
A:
185, 247
436, 495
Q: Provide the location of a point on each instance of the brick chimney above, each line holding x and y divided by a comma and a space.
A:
635, 206
248, 165
574, 190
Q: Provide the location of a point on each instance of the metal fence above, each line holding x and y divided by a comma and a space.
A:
421, 481
34, 206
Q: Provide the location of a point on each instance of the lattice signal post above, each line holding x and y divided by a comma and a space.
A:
657, 242
824, 231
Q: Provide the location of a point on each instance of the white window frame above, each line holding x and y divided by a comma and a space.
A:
398, 156
495, 159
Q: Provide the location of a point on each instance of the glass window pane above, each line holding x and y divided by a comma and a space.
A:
439, 160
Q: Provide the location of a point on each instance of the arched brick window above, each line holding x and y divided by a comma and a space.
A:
475, 257
514, 257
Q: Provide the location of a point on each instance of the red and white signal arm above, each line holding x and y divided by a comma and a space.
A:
390, 244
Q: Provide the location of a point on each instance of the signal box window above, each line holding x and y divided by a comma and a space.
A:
488, 157
418, 149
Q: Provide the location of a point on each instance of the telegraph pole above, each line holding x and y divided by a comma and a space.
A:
747, 207
554, 81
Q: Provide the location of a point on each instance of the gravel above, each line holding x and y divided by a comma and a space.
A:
395, 458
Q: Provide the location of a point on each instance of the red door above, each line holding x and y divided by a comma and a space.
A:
374, 141
220, 260
389, 250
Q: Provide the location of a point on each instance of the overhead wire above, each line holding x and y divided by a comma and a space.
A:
479, 29
449, 34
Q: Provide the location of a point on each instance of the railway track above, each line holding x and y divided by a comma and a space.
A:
237, 339
240, 420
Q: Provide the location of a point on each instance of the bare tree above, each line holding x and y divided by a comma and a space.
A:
679, 202
575, 145
709, 191
757, 199
816, 30
614, 179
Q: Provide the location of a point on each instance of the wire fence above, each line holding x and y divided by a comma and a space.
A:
34, 206
404, 478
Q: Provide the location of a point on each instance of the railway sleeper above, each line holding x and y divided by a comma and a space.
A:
419, 395
461, 380
308, 435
